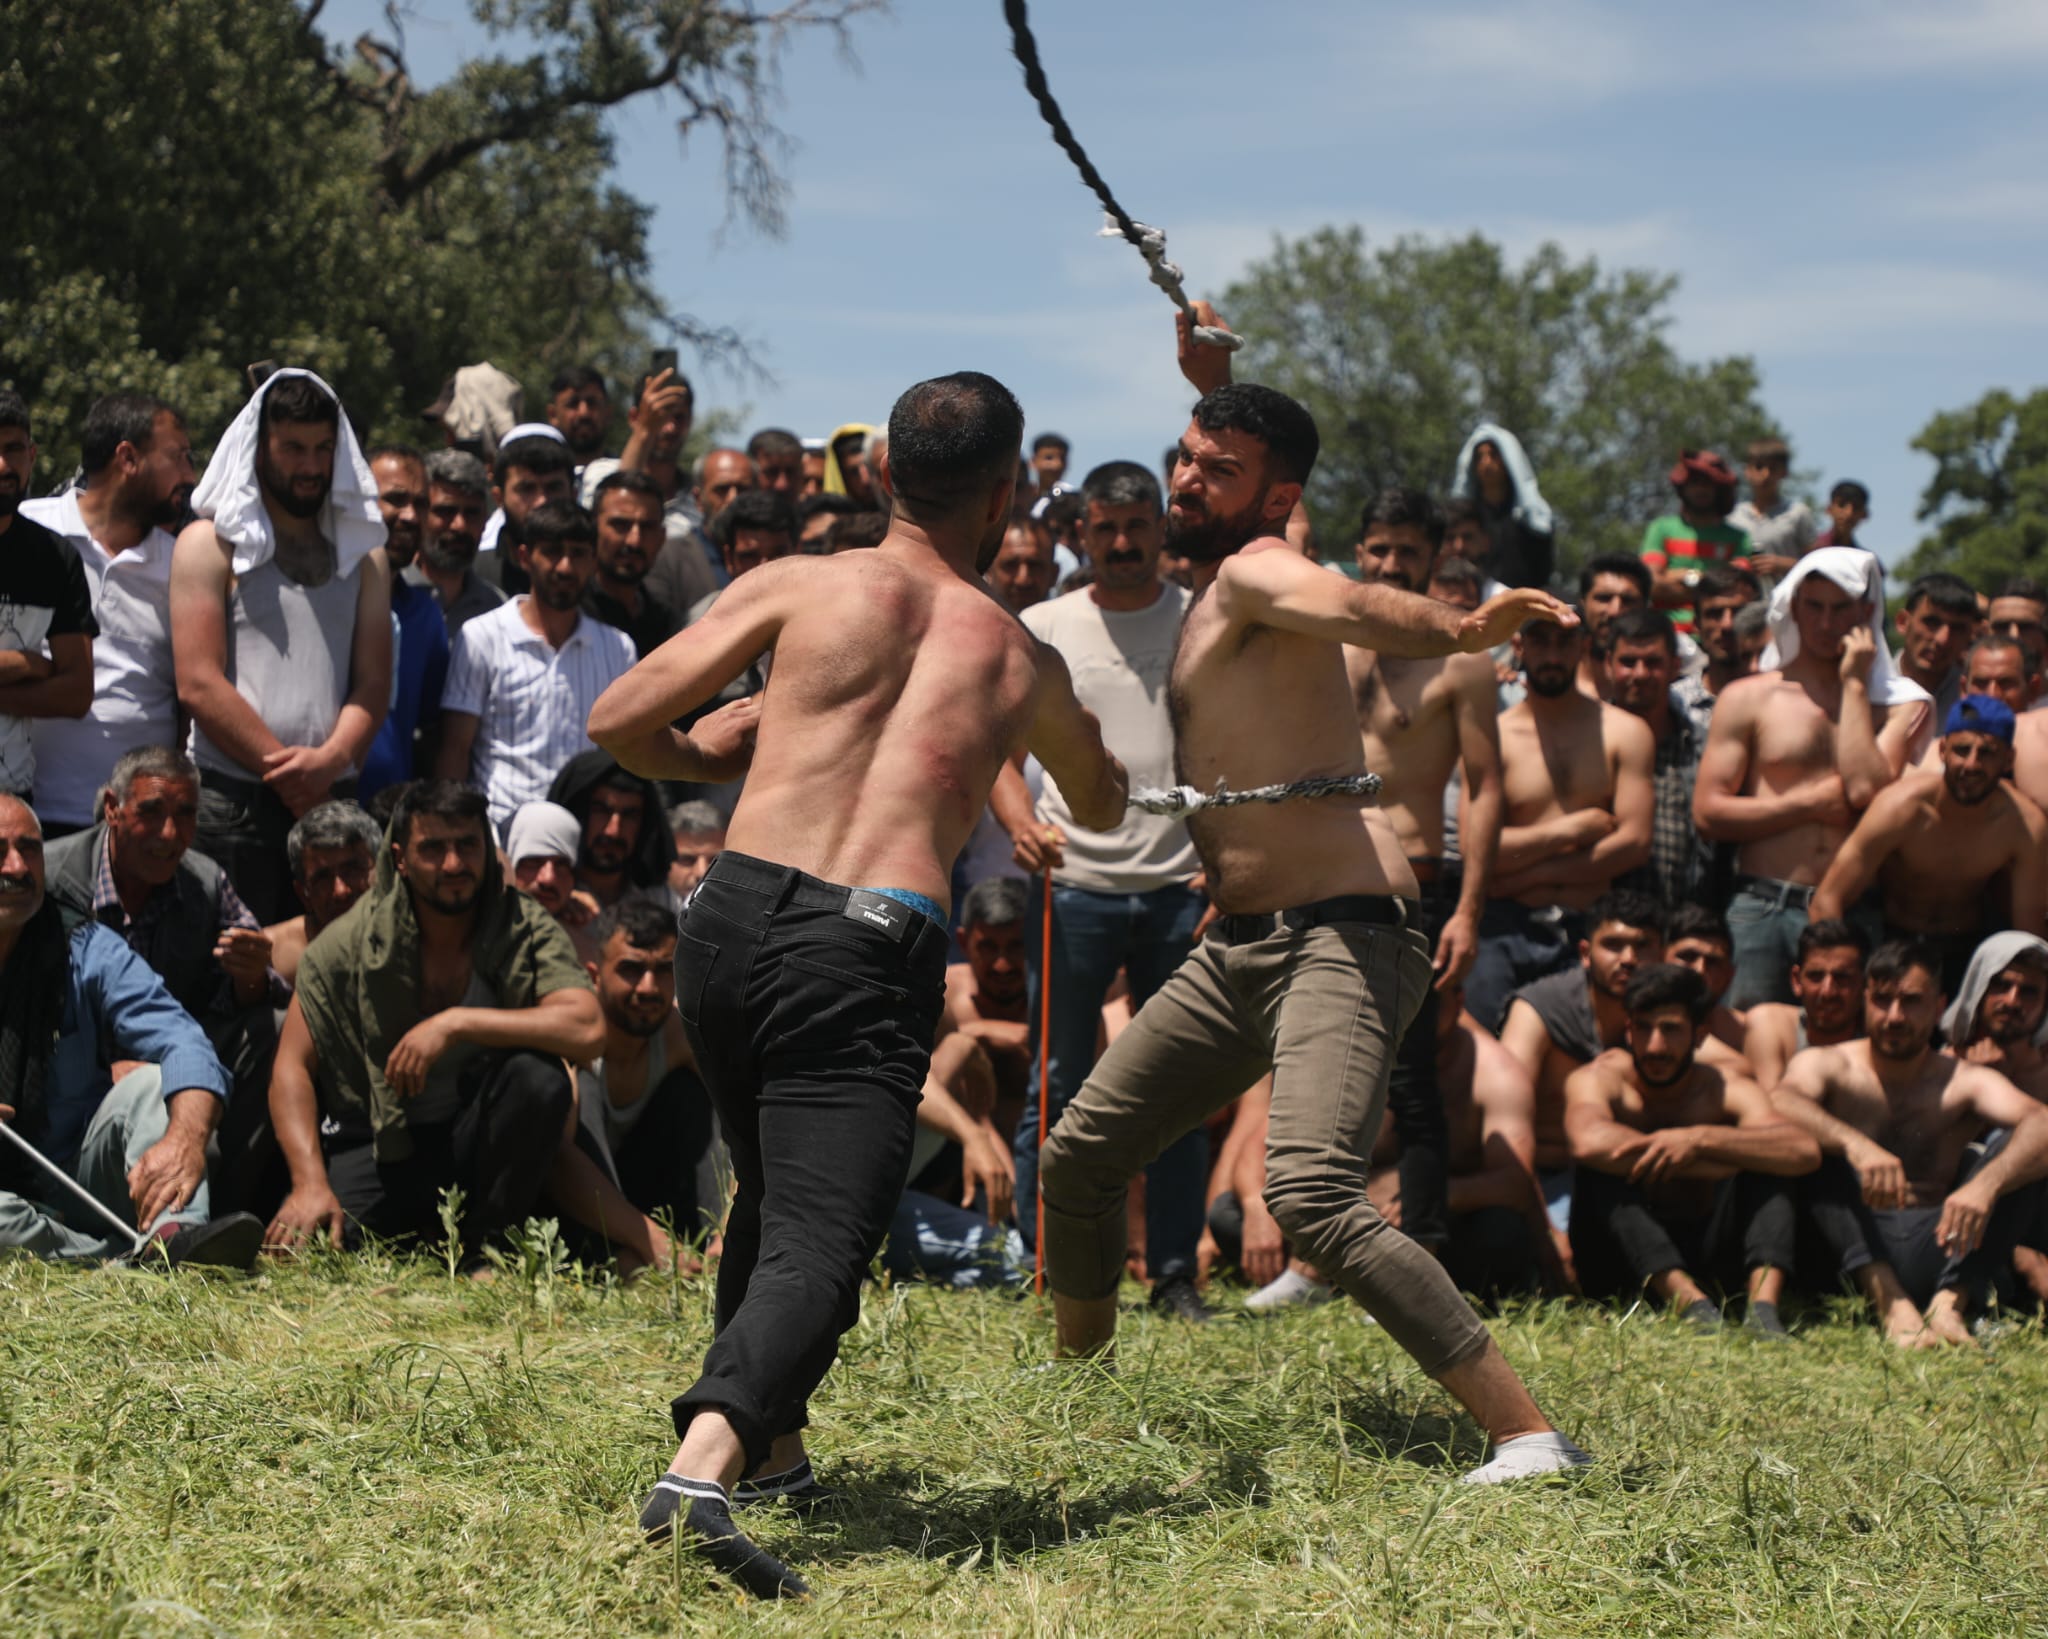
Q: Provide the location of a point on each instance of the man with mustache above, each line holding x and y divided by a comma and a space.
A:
137, 463
46, 620
1895, 1117
630, 532
523, 678
1938, 843
1580, 802
332, 853
1314, 969
1121, 898
458, 505
1681, 1166
1827, 1001
420, 662
281, 629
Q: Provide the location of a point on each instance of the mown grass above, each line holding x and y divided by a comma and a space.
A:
366, 1446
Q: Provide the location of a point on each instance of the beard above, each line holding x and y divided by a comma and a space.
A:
1966, 795
635, 1025
1202, 537
287, 494
449, 554
1683, 1069
1898, 1046
558, 595
401, 548
1548, 682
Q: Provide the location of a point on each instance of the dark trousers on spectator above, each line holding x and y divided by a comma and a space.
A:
661, 1163
1413, 1097
813, 1029
497, 1151
1148, 935
244, 1166
1860, 1235
1491, 1252
1518, 944
1622, 1237
242, 829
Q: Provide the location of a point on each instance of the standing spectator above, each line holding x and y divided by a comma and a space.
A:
458, 499
1023, 570
630, 534
419, 665
753, 528
137, 462
1610, 585
1495, 474
1642, 665
1848, 511
523, 678
534, 466
814, 468
778, 457
1780, 530
723, 475
2019, 610
663, 410
1798, 751
846, 473
1466, 541
1681, 546
625, 848
1121, 898
423, 1050
580, 409
75, 1002
1937, 623
1048, 461
1718, 600
281, 628
332, 852
46, 620
815, 516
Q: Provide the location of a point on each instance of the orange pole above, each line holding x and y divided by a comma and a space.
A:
1044, 1064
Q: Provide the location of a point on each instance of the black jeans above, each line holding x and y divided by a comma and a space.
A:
1622, 1237
1413, 1098
1860, 1235
813, 1025
497, 1151
242, 829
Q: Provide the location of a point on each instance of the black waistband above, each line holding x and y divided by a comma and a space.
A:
780, 885
1382, 910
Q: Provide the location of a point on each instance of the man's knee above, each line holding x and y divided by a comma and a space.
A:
534, 1085
1315, 1209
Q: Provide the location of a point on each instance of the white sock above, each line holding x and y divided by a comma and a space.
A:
1288, 1287
1527, 1456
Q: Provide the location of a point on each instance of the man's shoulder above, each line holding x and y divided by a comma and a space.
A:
33, 543
1554, 992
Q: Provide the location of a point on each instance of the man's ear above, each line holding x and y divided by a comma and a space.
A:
881, 476
1279, 505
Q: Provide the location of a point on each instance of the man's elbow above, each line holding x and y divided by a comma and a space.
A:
1632, 854
585, 1042
73, 696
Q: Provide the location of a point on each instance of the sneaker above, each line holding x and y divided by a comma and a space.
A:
1702, 1315
1287, 1290
1763, 1320
1176, 1296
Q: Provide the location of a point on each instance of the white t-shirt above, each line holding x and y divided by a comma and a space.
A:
1120, 664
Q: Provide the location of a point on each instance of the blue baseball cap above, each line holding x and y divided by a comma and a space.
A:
1981, 714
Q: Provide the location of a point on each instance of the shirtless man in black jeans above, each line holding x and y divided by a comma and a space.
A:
811, 968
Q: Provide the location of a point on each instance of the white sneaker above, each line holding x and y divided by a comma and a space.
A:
1529, 1456
1287, 1290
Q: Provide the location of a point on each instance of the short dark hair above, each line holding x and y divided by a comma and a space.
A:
994, 902
1120, 483
1895, 958
1769, 449
117, 419
1834, 933
1629, 908
557, 523
625, 481
1286, 429
839, 506
1461, 509
1458, 572
1666, 984
1050, 441
1642, 626
1690, 921
1994, 640
753, 509
395, 452
1631, 569
535, 453
1398, 506
856, 529
1951, 594
14, 411
646, 923
299, 399
577, 377
2023, 586
773, 441
1849, 490
951, 439
441, 800
1724, 581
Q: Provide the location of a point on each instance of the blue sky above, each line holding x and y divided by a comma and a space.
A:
1853, 191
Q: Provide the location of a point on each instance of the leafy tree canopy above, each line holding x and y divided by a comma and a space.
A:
1988, 499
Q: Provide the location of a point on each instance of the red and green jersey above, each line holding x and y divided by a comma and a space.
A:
1672, 543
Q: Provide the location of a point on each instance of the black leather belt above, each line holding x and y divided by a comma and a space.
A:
1383, 910
1789, 895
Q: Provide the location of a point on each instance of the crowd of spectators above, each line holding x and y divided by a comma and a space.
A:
322, 918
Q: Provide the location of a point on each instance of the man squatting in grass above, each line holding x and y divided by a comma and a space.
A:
812, 960
1316, 966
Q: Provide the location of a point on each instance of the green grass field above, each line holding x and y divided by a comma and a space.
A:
369, 1447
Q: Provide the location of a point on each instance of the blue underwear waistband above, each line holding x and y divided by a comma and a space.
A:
916, 901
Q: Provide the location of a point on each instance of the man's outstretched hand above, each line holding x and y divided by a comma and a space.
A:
1499, 618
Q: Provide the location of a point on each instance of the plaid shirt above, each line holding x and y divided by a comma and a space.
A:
1679, 858
109, 912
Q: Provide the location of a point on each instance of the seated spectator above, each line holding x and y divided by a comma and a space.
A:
1939, 844
1580, 804
1719, 602
1022, 572
423, 1051
1681, 1166
815, 515
987, 996
46, 641
541, 845
523, 678
1495, 475
1827, 1001
638, 1162
1937, 623
1848, 511
1641, 669
630, 532
419, 660
698, 831
332, 853
625, 848
1797, 752
1682, 546
76, 1004
1780, 530
1895, 1117
1698, 938
458, 502
1611, 585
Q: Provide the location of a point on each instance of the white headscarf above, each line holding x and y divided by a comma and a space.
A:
1859, 574
1992, 958
232, 497
543, 830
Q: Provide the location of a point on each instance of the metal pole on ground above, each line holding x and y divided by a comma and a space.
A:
136, 1241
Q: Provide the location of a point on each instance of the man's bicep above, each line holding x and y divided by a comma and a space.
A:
1476, 708
1995, 1099
1895, 738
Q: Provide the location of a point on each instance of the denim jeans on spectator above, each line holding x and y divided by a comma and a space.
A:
951, 1245
1765, 919
1148, 935
1517, 944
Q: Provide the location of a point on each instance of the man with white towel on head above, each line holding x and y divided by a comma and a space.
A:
1797, 752
280, 629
